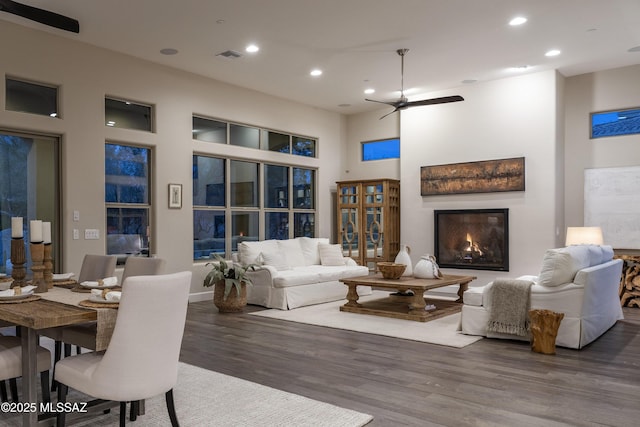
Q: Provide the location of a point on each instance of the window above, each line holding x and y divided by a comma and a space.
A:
221, 132
244, 136
127, 199
615, 123
29, 188
127, 114
230, 207
31, 98
379, 150
303, 185
209, 130
304, 146
274, 141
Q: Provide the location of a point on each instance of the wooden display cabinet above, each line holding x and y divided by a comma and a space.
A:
369, 220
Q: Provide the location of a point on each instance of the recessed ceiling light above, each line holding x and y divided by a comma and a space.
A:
552, 52
469, 81
519, 68
518, 20
252, 48
168, 51
369, 91
344, 105
316, 72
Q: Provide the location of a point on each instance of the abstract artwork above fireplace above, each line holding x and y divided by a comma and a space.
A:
472, 238
473, 177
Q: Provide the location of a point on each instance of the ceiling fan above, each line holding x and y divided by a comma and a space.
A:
40, 15
403, 102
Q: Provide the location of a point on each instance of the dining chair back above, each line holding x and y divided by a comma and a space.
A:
141, 360
142, 266
11, 365
96, 267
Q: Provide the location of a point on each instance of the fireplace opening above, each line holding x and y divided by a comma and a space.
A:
472, 238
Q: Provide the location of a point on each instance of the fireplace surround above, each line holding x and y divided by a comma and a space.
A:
472, 238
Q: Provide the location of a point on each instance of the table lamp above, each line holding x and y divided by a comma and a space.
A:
584, 236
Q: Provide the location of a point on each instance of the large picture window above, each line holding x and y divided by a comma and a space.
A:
237, 200
127, 199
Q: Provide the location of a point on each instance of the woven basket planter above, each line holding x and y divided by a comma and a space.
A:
233, 303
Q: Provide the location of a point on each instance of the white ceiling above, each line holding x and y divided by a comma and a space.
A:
355, 41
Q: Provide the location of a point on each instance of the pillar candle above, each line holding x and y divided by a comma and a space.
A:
16, 227
46, 232
36, 231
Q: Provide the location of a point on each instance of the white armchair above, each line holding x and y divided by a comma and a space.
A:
580, 281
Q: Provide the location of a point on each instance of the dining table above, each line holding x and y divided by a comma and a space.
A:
58, 307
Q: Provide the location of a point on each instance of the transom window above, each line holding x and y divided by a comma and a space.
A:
34, 98
221, 132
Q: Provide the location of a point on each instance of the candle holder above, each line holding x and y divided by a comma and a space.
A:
18, 259
48, 265
37, 266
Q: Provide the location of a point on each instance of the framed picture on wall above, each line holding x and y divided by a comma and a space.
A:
175, 196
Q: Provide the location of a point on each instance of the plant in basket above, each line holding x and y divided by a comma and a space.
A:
229, 280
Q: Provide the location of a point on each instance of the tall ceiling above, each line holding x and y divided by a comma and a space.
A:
354, 42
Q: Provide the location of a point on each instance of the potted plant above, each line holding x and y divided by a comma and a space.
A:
230, 284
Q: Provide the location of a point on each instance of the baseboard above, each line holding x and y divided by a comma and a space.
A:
201, 296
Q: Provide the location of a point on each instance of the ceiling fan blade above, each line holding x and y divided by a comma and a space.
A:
392, 103
40, 15
433, 101
388, 114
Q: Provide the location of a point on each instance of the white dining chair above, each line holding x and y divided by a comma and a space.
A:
141, 360
11, 365
84, 335
94, 267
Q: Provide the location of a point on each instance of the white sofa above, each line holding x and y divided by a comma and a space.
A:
297, 272
580, 281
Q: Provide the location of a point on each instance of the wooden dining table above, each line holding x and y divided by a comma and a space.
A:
56, 308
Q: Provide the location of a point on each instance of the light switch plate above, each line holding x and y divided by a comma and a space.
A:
76, 234
76, 215
91, 234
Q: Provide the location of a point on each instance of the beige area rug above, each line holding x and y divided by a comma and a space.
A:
207, 398
442, 331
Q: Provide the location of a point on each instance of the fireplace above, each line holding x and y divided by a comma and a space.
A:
472, 238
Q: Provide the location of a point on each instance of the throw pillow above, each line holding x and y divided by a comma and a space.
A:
292, 251
330, 254
276, 259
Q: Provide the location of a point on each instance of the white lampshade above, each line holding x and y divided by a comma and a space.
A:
584, 236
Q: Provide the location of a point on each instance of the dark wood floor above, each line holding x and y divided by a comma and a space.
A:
406, 383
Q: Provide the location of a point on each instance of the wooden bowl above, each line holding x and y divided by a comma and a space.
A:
391, 270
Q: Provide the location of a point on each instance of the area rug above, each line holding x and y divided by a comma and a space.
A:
207, 398
442, 331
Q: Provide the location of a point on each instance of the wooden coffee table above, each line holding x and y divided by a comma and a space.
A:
401, 306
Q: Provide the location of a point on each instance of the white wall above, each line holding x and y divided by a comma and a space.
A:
368, 127
601, 91
514, 117
86, 74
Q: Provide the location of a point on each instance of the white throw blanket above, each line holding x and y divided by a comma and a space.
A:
510, 302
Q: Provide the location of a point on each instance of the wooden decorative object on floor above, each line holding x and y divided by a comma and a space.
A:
544, 329
630, 281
